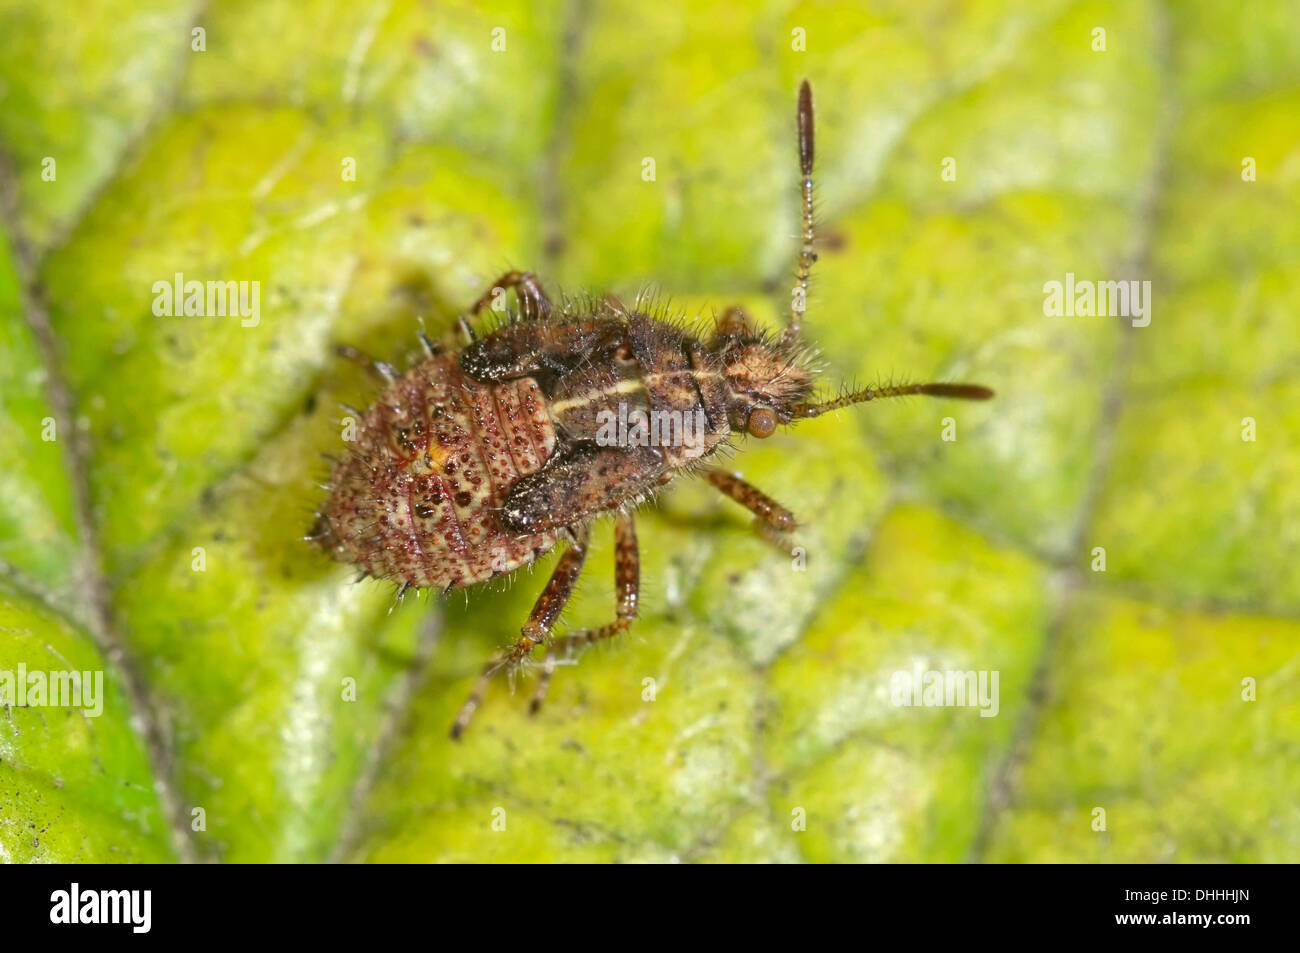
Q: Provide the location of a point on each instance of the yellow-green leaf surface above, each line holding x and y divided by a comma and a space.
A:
1101, 535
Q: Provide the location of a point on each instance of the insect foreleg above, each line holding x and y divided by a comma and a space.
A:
770, 513
733, 323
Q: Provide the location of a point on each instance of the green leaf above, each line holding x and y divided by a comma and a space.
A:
75, 783
157, 473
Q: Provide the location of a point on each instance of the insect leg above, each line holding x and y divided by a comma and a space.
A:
627, 583
533, 302
545, 611
734, 322
770, 513
799, 294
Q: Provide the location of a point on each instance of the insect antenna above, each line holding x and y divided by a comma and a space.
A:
957, 391
799, 296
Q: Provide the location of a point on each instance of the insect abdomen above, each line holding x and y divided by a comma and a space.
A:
418, 497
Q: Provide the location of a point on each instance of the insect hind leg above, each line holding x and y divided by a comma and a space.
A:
627, 584
535, 631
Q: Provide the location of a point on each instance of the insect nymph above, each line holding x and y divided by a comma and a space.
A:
475, 463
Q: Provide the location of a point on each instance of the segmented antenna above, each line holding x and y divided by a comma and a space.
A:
799, 294
957, 391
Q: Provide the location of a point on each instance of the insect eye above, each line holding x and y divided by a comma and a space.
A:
762, 423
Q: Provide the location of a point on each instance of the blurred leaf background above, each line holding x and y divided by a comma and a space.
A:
1120, 690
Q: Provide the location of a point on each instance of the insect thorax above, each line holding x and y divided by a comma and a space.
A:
653, 385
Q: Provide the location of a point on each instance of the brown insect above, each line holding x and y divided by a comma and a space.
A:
475, 463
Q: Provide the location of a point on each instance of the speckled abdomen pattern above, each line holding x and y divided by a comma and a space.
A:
417, 498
